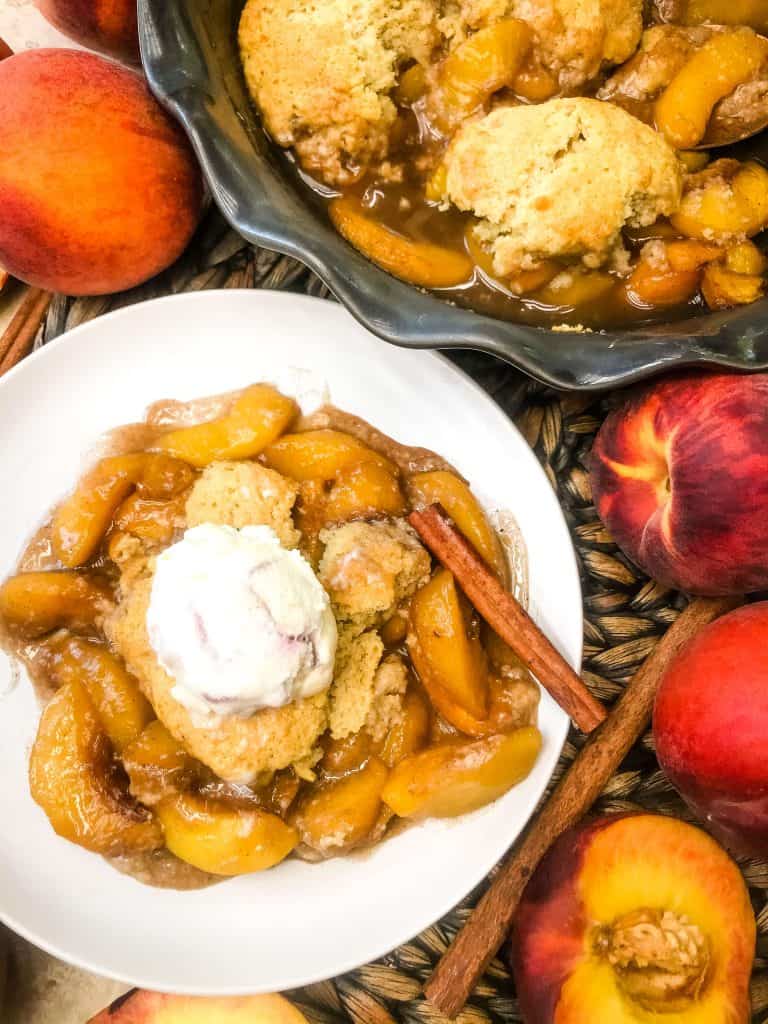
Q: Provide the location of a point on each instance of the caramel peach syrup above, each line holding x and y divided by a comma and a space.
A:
678, 477
633, 919
142, 1007
710, 724
246, 651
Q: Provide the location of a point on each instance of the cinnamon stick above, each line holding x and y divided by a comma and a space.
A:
18, 338
479, 940
507, 617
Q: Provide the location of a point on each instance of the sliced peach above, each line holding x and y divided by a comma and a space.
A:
652, 285
72, 778
346, 754
364, 491
122, 708
34, 603
82, 520
535, 84
142, 1007
154, 521
718, 66
421, 263
283, 790
639, 918
727, 12
746, 258
410, 732
335, 817
485, 62
158, 766
320, 455
576, 288
444, 653
223, 840
513, 704
463, 507
257, 418
445, 781
727, 202
723, 288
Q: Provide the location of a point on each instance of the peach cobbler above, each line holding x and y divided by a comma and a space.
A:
549, 161
246, 652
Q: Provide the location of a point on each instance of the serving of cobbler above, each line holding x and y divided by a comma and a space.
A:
245, 652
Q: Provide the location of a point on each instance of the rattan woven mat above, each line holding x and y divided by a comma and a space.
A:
625, 613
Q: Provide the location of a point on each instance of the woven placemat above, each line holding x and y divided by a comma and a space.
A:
625, 613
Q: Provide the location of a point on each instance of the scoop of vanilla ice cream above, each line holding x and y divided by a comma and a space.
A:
239, 622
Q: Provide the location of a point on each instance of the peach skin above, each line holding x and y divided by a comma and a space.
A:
109, 26
638, 918
710, 724
142, 1007
679, 479
98, 186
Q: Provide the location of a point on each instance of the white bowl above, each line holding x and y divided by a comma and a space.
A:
299, 922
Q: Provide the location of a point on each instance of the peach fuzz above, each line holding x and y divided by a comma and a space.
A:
142, 1007
98, 186
109, 26
710, 724
638, 918
679, 478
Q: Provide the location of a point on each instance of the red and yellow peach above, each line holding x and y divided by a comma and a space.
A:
99, 188
142, 1007
679, 478
109, 26
632, 918
710, 725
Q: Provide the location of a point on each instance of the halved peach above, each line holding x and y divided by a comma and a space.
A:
338, 815
638, 918
444, 653
453, 779
81, 521
257, 418
35, 603
122, 708
223, 840
72, 777
142, 1007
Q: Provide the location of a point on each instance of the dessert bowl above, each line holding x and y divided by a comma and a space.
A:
299, 922
190, 57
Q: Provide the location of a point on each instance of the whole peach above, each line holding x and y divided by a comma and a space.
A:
99, 189
680, 478
710, 724
109, 26
142, 1007
634, 918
